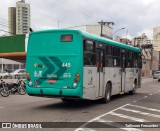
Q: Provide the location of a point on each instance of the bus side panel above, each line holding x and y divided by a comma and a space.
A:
89, 83
113, 75
129, 80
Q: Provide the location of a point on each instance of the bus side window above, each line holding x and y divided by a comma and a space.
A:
139, 61
116, 57
129, 59
109, 57
89, 53
135, 60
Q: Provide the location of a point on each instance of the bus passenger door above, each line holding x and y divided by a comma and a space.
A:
123, 70
100, 72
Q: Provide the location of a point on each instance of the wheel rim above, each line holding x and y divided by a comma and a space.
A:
108, 93
134, 87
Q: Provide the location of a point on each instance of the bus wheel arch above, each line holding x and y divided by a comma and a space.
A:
133, 91
108, 92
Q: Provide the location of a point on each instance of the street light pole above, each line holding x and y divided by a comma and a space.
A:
118, 30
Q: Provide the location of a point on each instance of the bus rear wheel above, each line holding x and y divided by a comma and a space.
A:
133, 91
107, 96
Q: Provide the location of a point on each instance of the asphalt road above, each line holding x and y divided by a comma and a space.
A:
144, 106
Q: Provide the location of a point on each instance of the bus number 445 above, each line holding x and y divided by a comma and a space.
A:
66, 65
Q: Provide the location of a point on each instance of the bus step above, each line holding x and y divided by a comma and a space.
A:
121, 93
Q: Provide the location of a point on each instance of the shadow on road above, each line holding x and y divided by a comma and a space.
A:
84, 104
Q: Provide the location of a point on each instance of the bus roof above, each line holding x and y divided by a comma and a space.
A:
110, 42
94, 37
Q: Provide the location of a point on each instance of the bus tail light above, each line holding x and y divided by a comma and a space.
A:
77, 78
28, 78
27, 74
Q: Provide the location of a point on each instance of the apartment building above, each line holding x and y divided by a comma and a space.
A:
22, 17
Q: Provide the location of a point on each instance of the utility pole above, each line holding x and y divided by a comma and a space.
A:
102, 23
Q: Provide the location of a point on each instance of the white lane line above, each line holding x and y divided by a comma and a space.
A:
108, 113
1, 107
150, 94
84, 129
134, 101
114, 124
94, 119
131, 129
128, 117
145, 97
150, 109
139, 112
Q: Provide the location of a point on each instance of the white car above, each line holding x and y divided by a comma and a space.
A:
156, 74
3, 74
18, 73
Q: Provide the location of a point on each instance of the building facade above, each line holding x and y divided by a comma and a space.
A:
22, 17
156, 38
12, 20
95, 29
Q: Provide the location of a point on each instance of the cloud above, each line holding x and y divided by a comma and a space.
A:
136, 16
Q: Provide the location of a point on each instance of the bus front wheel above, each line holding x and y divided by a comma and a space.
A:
107, 96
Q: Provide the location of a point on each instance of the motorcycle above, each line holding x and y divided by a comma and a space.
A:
19, 87
3, 89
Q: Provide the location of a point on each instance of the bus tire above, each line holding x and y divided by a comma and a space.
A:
107, 96
133, 91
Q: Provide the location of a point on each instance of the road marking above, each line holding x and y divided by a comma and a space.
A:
84, 129
139, 112
150, 94
111, 123
134, 101
145, 97
112, 112
108, 112
151, 109
128, 117
83, 126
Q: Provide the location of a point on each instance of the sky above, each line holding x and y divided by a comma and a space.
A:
136, 16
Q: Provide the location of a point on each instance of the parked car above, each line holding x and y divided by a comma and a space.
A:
3, 74
156, 74
18, 73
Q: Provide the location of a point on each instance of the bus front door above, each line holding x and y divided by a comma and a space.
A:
100, 72
123, 72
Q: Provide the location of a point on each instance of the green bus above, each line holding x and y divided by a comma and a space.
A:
71, 64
